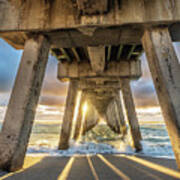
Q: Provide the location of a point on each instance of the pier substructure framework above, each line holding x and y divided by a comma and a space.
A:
100, 87
40, 26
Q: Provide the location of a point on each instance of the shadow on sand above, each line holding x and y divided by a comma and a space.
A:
105, 167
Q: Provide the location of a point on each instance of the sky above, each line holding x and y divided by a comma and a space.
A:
54, 92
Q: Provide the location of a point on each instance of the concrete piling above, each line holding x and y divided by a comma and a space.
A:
120, 114
68, 115
112, 117
165, 71
131, 114
92, 118
23, 102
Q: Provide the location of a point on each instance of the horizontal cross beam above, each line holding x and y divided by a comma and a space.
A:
75, 70
71, 29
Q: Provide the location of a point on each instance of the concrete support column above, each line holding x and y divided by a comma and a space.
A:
120, 114
131, 114
92, 118
68, 115
79, 117
112, 117
22, 106
165, 70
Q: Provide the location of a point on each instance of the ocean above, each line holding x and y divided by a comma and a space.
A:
45, 136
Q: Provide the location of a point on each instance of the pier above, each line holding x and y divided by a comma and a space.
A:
97, 45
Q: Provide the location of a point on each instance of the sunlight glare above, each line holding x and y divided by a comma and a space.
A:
66, 170
115, 169
84, 111
154, 166
76, 111
85, 108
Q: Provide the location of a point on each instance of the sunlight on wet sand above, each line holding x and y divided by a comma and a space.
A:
154, 166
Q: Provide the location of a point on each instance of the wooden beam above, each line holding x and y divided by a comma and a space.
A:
97, 58
23, 102
68, 115
165, 70
124, 68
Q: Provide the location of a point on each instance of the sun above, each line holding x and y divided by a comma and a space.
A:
85, 108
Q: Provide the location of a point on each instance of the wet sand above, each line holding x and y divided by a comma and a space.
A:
102, 167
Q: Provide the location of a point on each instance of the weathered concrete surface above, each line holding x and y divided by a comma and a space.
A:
67, 27
120, 113
124, 68
97, 58
112, 117
68, 38
131, 114
165, 70
91, 119
45, 15
99, 83
100, 99
22, 106
68, 115
91, 7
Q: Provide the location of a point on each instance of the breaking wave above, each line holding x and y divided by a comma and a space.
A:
101, 140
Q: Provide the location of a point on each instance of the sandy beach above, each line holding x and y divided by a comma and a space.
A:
99, 167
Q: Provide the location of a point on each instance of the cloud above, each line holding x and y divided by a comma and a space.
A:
143, 89
9, 62
44, 112
52, 100
177, 49
54, 92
